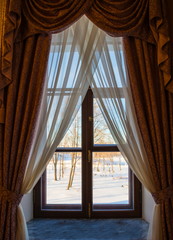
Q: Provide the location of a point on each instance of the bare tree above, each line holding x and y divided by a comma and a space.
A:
55, 162
58, 161
72, 170
74, 140
101, 131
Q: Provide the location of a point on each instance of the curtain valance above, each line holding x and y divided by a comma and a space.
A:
143, 19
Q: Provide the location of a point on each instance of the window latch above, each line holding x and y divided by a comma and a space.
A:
89, 156
90, 119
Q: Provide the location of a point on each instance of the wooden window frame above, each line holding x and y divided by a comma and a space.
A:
88, 210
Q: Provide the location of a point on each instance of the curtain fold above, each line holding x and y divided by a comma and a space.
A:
111, 88
121, 18
159, 27
142, 19
20, 23
69, 64
153, 106
22, 110
25, 42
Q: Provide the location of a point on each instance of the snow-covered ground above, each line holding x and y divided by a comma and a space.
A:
110, 182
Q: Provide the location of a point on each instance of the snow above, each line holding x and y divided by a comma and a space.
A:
109, 187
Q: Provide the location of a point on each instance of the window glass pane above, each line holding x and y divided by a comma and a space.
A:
72, 137
110, 178
102, 134
64, 178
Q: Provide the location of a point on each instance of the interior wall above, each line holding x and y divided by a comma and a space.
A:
147, 205
27, 204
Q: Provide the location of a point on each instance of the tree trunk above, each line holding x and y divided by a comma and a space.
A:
72, 171
55, 162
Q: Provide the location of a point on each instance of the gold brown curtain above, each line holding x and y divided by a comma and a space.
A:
26, 26
144, 19
154, 110
23, 98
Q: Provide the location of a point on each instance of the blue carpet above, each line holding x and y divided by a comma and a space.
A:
87, 229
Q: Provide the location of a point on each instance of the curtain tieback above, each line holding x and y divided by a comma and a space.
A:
10, 196
163, 195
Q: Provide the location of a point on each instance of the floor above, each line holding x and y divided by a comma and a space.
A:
87, 229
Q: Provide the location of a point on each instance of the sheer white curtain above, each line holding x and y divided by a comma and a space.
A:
111, 88
69, 62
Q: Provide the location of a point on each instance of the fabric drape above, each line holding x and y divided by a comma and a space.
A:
111, 88
22, 110
143, 19
69, 64
2, 78
154, 110
22, 28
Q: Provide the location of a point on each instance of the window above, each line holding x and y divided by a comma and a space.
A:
87, 176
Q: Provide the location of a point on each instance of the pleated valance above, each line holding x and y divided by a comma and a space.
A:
144, 19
